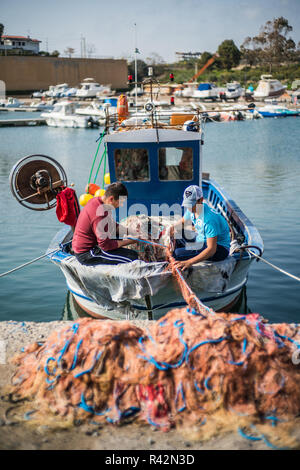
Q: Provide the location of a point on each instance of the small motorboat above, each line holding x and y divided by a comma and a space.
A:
13, 103
268, 86
202, 91
56, 91
64, 115
233, 91
276, 110
89, 88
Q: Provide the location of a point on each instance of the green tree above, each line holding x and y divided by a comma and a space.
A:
272, 45
154, 59
55, 53
142, 69
229, 54
250, 54
1, 30
205, 56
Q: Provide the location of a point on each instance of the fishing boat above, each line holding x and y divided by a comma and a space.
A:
148, 160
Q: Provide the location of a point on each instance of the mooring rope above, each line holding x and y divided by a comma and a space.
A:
32, 261
275, 267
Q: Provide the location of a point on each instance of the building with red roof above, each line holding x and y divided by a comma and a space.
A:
20, 43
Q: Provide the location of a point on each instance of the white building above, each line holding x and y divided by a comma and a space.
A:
20, 42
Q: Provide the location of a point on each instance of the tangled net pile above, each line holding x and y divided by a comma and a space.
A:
183, 369
153, 229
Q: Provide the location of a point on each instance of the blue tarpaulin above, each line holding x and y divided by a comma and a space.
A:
204, 86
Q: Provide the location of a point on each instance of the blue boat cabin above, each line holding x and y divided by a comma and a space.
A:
156, 165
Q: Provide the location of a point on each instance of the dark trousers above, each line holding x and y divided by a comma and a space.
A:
98, 256
182, 254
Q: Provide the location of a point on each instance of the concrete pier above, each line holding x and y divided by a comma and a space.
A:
22, 122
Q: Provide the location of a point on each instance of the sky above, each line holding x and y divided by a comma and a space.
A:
162, 26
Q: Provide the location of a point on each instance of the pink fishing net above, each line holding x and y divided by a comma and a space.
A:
182, 368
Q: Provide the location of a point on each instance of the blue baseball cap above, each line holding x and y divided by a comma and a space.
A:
191, 195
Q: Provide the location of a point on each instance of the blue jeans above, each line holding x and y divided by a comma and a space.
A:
181, 253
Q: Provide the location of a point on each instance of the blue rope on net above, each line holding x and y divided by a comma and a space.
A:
90, 409
192, 311
291, 340
161, 365
46, 366
198, 388
96, 358
246, 436
65, 348
207, 341
153, 423
181, 392
262, 437
240, 363
76, 354
206, 385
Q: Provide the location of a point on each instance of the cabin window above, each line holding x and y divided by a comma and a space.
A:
175, 163
132, 164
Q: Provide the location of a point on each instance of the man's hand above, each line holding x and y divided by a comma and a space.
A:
183, 264
170, 234
126, 242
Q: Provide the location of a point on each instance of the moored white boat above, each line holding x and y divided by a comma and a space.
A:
64, 115
89, 88
57, 91
272, 110
268, 86
233, 91
202, 91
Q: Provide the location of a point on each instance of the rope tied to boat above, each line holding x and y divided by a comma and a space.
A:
296, 278
49, 253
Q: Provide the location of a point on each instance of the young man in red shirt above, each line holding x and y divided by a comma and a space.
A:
94, 240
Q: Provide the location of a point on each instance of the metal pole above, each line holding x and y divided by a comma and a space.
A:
135, 67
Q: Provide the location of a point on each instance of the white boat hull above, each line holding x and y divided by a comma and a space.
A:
70, 121
165, 299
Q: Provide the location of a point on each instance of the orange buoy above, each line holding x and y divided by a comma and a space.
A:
91, 188
122, 108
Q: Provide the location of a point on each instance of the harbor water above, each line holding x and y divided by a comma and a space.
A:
257, 163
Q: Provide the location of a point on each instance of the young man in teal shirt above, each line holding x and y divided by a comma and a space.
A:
212, 240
